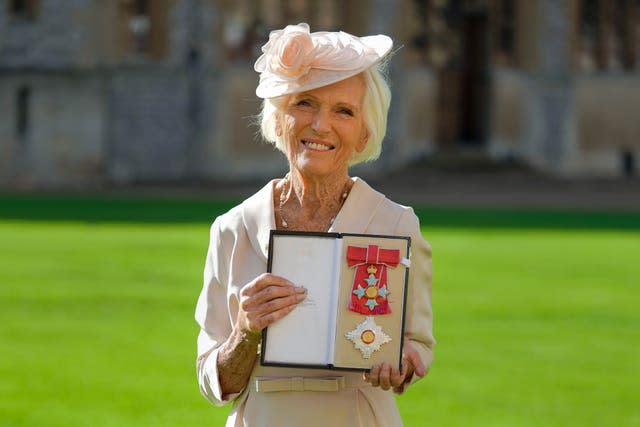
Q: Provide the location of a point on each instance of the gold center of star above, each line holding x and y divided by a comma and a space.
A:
368, 336
371, 292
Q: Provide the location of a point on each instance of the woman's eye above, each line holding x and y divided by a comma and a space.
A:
303, 103
346, 111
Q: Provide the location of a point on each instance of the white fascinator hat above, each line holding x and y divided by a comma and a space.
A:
295, 60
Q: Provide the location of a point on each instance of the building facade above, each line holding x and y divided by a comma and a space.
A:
95, 93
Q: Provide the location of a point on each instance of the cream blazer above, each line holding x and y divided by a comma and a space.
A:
238, 253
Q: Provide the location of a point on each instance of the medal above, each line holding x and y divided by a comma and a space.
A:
368, 337
369, 293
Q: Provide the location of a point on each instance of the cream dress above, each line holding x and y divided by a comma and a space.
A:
238, 253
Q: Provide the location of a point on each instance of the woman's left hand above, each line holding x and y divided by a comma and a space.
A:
385, 376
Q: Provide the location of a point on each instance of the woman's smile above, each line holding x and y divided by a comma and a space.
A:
327, 127
317, 145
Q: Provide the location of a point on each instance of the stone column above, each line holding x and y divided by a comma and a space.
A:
194, 66
383, 21
554, 86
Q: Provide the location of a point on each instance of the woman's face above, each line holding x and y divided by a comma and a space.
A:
323, 127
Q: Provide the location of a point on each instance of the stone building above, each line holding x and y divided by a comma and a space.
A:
97, 92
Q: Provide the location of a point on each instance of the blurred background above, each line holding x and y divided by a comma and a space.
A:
103, 94
127, 126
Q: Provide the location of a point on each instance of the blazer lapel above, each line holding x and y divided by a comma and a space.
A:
358, 210
258, 219
354, 217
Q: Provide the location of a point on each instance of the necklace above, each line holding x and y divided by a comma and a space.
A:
283, 197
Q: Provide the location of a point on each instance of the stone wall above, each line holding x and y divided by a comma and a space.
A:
606, 125
148, 137
49, 41
64, 142
97, 112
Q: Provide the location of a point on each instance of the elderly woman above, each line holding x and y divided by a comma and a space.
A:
325, 107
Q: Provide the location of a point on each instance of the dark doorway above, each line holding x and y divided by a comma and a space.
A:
474, 78
463, 82
628, 164
23, 96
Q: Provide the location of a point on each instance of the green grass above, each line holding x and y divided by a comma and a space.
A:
535, 328
536, 315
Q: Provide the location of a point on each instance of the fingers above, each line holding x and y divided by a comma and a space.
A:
412, 358
263, 281
259, 322
267, 299
384, 376
396, 378
269, 293
401, 388
411, 364
374, 375
273, 298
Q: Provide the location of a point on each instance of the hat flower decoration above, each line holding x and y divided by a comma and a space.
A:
296, 60
289, 52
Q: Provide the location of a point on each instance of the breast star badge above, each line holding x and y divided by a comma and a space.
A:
368, 337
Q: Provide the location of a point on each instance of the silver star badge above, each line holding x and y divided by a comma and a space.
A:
368, 337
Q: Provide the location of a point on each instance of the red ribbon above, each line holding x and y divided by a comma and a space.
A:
372, 254
366, 297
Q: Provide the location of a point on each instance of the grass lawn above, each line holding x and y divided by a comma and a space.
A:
537, 316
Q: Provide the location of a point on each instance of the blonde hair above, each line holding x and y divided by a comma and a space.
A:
377, 98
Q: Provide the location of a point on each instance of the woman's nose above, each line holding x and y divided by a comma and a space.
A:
321, 122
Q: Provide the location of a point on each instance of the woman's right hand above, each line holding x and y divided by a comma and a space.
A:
266, 299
